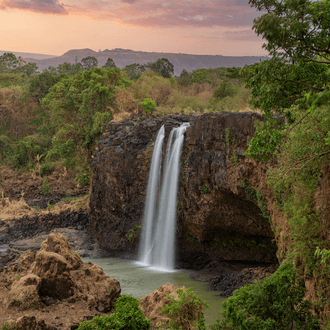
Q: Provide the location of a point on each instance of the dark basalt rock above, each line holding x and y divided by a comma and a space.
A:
216, 220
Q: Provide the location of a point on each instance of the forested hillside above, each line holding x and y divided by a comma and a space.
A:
51, 120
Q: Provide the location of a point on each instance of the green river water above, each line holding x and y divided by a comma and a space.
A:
139, 281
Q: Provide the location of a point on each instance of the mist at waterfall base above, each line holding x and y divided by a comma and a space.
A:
159, 220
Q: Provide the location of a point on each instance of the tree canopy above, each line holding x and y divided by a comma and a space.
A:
89, 62
297, 74
162, 66
109, 63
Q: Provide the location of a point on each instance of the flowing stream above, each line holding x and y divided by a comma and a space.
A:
159, 220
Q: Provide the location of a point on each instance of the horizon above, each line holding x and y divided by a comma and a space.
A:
143, 51
198, 27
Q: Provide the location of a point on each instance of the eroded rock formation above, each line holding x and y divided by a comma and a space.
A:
217, 218
54, 286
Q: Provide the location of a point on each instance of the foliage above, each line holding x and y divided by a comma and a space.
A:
134, 70
275, 303
10, 79
89, 62
45, 187
210, 76
162, 66
185, 78
27, 149
109, 63
40, 84
79, 107
297, 74
256, 196
133, 234
9, 63
128, 316
223, 90
186, 311
7, 326
304, 159
205, 190
150, 85
148, 105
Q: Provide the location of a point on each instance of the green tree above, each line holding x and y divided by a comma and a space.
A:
40, 84
65, 67
28, 69
298, 73
79, 106
89, 62
162, 66
185, 78
276, 303
224, 89
109, 63
134, 70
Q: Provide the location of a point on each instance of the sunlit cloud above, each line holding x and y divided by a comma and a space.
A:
149, 13
38, 6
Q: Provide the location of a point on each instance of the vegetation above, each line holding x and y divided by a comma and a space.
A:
53, 119
185, 312
292, 91
276, 303
127, 316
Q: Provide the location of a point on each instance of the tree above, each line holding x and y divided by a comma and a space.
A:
185, 78
134, 70
298, 73
9, 61
109, 63
40, 84
89, 62
224, 89
162, 66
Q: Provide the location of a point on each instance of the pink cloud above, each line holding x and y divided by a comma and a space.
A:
38, 6
149, 13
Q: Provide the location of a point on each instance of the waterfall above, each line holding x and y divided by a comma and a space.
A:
159, 220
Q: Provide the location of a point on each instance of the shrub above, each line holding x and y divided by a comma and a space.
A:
148, 105
186, 312
45, 169
128, 316
224, 89
27, 149
152, 86
45, 187
276, 303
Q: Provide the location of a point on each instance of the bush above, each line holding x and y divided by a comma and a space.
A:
27, 149
45, 187
148, 105
276, 303
128, 316
186, 312
5, 146
152, 86
224, 89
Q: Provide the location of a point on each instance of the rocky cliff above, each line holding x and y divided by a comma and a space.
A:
220, 216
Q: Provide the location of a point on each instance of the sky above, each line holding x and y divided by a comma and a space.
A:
209, 27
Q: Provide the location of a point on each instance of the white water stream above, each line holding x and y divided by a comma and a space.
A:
159, 220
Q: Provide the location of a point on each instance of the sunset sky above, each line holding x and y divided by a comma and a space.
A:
215, 27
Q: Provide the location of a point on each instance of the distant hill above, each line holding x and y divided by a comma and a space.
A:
122, 57
28, 55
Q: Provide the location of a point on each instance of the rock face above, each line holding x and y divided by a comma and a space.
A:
217, 217
55, 276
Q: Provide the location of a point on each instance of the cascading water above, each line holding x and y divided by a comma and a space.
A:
159, 221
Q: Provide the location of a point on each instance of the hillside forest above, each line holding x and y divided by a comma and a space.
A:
51, 121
